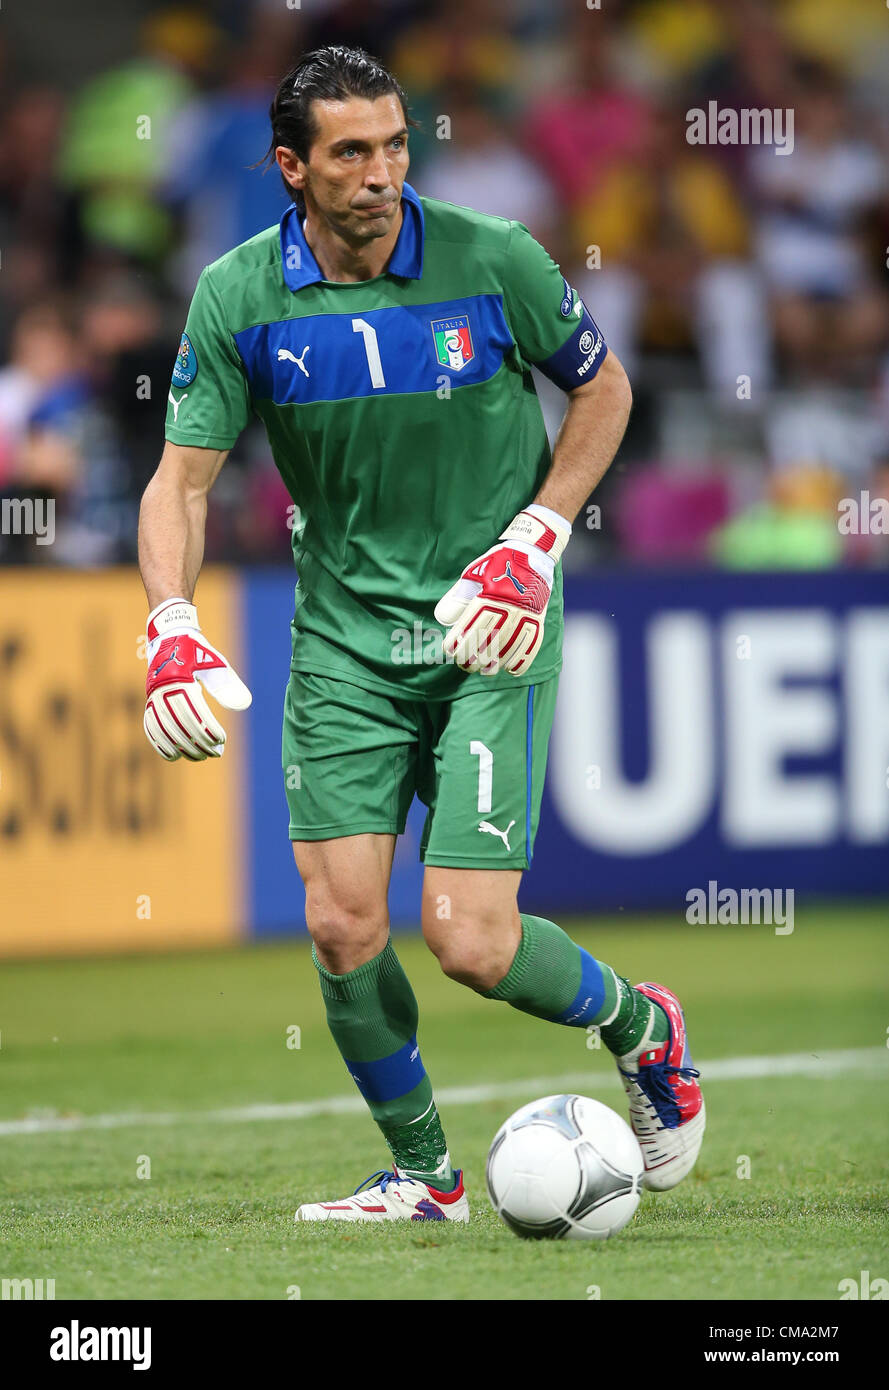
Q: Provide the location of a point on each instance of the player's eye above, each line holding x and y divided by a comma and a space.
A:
398, 142
348, 151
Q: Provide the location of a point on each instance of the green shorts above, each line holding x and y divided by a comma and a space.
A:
353, 760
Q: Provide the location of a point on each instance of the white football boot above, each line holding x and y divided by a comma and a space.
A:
666, 1105
392, 1197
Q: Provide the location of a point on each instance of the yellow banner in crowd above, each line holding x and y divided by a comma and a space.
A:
103, 845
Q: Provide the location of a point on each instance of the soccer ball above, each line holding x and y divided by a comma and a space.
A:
565, 1166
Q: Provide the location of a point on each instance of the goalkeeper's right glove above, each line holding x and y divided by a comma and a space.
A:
177, 719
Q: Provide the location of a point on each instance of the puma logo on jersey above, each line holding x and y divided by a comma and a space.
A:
285, 355
486, 827
176, 404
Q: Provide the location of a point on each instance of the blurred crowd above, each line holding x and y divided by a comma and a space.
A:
743, 285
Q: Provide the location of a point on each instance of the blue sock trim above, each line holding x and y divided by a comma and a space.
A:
588, 1001
389, 1077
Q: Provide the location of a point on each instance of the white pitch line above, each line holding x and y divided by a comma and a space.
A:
817, 1066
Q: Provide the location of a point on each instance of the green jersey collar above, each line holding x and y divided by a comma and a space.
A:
301, 269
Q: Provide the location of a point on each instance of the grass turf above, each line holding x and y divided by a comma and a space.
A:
188, 1034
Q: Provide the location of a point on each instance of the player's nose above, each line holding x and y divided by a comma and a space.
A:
377, 175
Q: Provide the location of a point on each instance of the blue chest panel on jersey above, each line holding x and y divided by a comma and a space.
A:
389, 351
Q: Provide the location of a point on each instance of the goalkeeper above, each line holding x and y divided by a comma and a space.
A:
385, 340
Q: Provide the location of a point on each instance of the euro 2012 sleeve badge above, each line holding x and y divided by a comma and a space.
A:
185, 368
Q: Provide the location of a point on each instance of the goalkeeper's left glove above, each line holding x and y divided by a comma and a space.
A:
495, 612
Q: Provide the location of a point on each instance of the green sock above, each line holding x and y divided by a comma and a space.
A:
372, 1014
554, 978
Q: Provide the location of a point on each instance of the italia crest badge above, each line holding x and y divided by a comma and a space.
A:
453, 342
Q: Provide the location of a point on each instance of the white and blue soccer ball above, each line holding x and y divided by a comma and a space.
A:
565, 1166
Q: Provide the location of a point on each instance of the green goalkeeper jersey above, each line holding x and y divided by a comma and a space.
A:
402, 416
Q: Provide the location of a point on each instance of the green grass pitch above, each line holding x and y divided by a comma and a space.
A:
168, 1040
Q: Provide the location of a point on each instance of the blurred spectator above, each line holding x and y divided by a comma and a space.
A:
465, 43
42, 349
756, 68
262, 530
127, 344
668, 514
43, 396
210, 179
482, 167
31, 210
123, 128
841, 431
794, 528
674, 238
74, 406
374, 25
830, 311
678, 35
857, 43
576, 134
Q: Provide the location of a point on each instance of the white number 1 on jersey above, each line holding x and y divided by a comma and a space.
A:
371, 347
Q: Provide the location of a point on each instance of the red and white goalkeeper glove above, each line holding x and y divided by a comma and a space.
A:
177, 719
495, 612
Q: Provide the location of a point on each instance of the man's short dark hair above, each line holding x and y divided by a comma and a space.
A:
334, 73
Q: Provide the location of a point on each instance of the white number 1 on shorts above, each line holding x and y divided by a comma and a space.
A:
485, 775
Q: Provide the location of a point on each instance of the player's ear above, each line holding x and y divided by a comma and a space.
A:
291, 167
